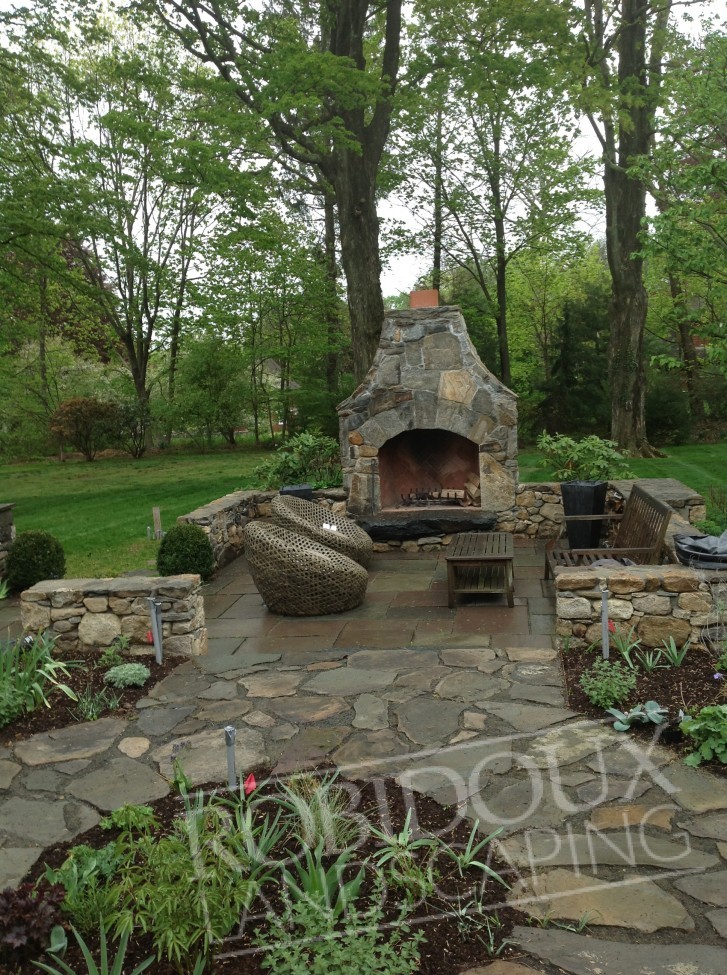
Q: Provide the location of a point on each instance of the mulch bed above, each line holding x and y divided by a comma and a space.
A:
84, 676
448, 948
687, 688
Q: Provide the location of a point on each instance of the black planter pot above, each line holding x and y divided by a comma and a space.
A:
584, 498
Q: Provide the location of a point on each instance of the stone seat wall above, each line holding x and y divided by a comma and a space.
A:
91, 613
538, 513
659, 601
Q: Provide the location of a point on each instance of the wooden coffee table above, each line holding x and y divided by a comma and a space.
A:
480, 562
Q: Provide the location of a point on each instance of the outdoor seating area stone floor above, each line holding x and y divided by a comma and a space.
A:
465, 705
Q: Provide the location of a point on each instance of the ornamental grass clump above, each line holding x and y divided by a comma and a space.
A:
28, 671
127, 675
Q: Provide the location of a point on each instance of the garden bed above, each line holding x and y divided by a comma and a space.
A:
463, 920
86, 679
679, 690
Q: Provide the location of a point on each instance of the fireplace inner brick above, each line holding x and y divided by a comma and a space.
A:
425, 461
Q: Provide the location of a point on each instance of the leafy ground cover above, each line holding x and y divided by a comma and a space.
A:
100, 511
312, 873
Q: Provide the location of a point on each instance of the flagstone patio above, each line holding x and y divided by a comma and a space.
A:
465, 705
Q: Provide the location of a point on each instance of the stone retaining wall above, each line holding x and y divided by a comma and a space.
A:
660, 601
538, 513
84, 613
7, 534
224, 519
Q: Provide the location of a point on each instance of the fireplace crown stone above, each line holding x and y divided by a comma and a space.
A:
427, 376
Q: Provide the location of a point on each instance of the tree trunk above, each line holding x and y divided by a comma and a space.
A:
438, 210
501, 281
359, 229
333, 324
627, 314
687, 349
626, 135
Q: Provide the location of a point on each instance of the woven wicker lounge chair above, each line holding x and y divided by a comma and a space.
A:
308, 518
298, 577
640, 535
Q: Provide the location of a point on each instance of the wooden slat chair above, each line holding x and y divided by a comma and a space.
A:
639, 537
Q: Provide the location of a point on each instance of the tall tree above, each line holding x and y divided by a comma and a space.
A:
328, 109
133, 162
624, 43
496, 164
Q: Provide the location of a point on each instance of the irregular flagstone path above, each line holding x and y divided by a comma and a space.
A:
464, 705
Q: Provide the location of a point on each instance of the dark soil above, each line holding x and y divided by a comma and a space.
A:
687, 688
85, 676
448, 947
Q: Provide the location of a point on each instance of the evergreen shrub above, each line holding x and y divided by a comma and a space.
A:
35, 555
185, 548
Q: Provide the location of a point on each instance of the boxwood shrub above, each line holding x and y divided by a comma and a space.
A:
35, 556
185, 548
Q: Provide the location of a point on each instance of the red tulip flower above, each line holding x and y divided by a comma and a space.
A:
249, 785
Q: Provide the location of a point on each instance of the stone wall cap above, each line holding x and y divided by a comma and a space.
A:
6, 505
570, 578
113, 586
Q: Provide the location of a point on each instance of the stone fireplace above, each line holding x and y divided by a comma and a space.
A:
429, 425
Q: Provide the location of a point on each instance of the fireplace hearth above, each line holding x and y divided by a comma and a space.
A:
429, 428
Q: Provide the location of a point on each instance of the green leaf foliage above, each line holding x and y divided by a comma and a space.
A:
127, 675
185, 548
708, 728
307, 458
607, 683
34, 556
588, 459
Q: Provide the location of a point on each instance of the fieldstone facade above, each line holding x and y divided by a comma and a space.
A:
659, 601
85, 613
428, 393
7, 534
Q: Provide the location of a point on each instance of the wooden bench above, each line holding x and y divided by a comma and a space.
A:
639, 537
480, 563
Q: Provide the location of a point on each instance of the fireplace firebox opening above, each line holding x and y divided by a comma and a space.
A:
418, 466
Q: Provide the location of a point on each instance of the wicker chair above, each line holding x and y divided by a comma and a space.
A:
308, 518
298, 577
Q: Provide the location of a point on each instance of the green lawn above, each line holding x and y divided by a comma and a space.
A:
99, 511
700, 467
